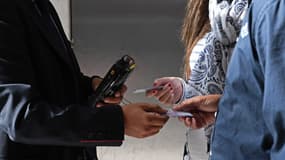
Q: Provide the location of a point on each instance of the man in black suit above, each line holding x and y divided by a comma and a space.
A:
44, 114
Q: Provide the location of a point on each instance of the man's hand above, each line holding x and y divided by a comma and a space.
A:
143, 120
203, 109
118, 97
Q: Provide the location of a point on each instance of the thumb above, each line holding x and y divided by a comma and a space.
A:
189, 104
154, 108
208, 103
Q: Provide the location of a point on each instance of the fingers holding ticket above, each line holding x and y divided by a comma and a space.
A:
171, 91
203, 109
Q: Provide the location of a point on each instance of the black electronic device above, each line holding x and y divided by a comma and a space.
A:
113, 80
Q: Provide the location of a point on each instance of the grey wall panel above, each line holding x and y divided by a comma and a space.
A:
148, 30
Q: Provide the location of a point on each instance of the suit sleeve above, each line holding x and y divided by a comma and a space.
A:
29, 118
269, 35
86, 82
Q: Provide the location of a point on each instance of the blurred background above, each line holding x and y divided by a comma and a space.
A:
148, 30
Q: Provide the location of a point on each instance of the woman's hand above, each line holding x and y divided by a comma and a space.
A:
171, 91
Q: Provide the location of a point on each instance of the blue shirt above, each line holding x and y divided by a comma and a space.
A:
250, 124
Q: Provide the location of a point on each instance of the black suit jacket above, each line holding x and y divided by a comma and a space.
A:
44, 114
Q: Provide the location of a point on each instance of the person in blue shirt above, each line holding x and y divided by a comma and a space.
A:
250, 123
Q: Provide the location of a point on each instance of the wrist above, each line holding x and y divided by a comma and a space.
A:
181, 95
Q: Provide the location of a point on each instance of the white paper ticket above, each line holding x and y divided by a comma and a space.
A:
172, 113
147, 89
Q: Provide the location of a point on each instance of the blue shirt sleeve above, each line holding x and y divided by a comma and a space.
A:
270, 46
250, 122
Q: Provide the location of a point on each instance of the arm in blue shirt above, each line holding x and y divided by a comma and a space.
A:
270, 45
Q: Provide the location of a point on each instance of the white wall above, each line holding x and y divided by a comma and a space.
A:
64, 11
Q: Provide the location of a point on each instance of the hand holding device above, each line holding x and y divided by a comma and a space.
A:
113, 80
116, 99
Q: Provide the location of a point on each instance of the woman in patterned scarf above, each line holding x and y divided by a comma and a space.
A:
210, 32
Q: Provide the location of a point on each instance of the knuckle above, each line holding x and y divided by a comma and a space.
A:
147, 118
146, 129
161, 99
157, 107
156, 132
144, 134
140, 136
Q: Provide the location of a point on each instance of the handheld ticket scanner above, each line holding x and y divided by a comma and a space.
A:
114, 79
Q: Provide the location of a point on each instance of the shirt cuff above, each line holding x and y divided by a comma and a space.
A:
184, 88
